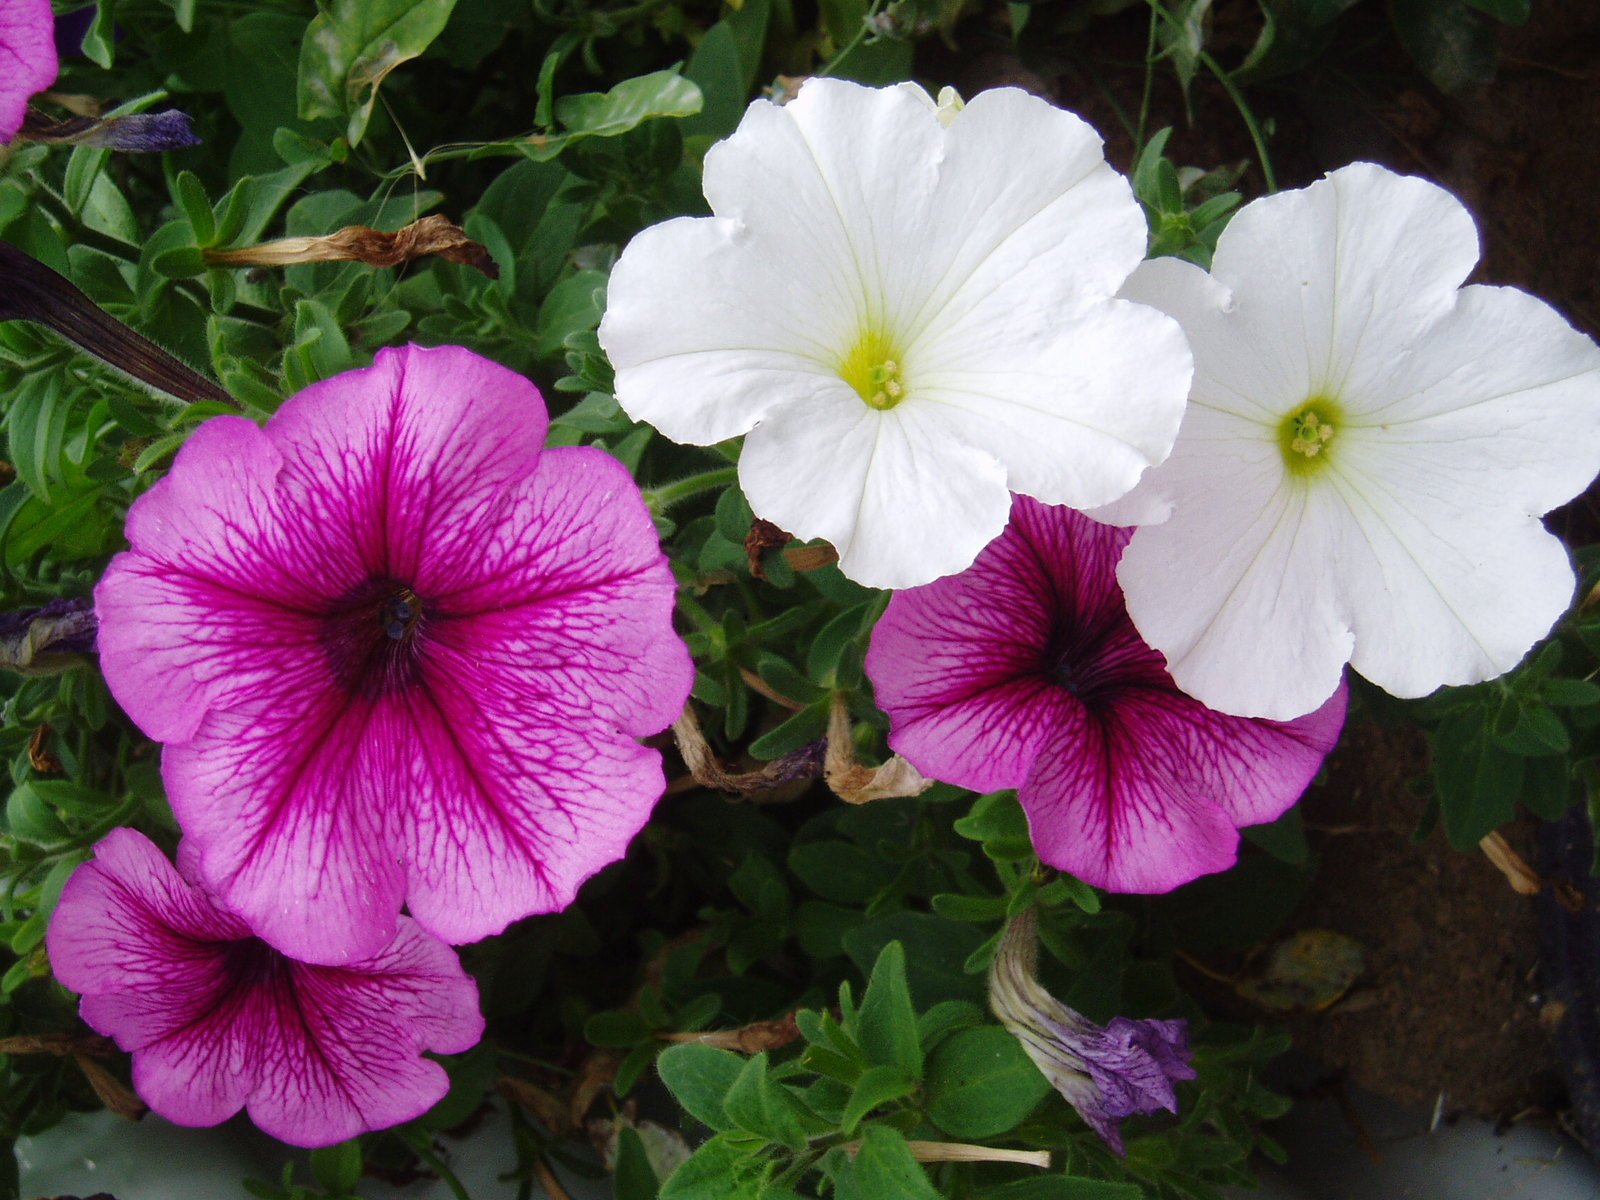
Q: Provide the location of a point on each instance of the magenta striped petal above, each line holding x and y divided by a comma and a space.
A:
28, 61
399, 655
1025, 672
217, 1020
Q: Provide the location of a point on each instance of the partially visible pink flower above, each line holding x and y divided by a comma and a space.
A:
28, 61
1025, 672
217, 1020
398, 653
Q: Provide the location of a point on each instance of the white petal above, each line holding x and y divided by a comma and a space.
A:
1028, 221
1447, 582
901, 502
699, 327
841, 177
1506, 392
1239, 589
1075, 415
1334, 282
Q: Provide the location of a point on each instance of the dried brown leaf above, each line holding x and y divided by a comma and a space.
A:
435, 235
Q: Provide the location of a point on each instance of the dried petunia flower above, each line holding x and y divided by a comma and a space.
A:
1368, 449
398, 653
1025, 672
217, 1020
28, 49
136, 133
908, 308
1123, 1069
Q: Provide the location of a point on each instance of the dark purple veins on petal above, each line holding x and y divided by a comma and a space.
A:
373, 637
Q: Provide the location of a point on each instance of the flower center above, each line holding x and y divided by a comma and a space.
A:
873, 369
372, 637
1306, 434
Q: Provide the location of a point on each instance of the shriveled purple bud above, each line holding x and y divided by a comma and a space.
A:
137, 133
1106, 1073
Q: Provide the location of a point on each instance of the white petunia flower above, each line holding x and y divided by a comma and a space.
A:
910, 308
1367, 452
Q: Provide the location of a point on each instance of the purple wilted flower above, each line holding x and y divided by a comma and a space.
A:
28, 49
217, 1020
1025, 672
137, 133
398, 653
1123, 1069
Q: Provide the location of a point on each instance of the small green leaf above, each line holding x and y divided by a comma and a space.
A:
338, 1168
758, 1105
1449, 41
1477, 782
634, 1179
981, 1083
878, 1085
887, 1022
722, 1168
1063, 1187
699, 1077
882, 1169
352, 45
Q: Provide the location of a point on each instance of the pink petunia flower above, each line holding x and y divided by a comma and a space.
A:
398, 653
28, 61
217, 1020
1025, 672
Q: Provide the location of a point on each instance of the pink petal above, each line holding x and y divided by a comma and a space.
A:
212, 600
295, 806
409, 461
571, 609
1146, 794
217, 1020
28, 62
958, 663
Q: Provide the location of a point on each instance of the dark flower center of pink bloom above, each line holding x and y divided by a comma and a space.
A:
373, 638
249, 964
1096, 658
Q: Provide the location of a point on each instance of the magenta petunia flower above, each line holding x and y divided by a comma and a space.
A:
1025, 672
28, 61
398, 652
217, 1020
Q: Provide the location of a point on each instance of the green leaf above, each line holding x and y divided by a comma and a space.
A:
1477, 782
715, 68
1284, 839
882, 1169
352, 45
338, 1168
606, 114
887, 1022
699, 1077
634, 1179
981, 1083
1448, 40
838, 871
37, 425
31, 820
757, 1105
877, 1085
936, 949
721, 1168
192, 199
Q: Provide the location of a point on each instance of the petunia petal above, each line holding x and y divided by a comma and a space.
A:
28, 61
130, 909
511, 808
1332, 282
960, 662
295, 804
184, 615
573, 606
1052, 403
362, 454
902, 504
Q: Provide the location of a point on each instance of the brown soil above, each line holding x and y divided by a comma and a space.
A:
1448, 1001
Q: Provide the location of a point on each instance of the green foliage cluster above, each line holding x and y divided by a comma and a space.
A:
552, 130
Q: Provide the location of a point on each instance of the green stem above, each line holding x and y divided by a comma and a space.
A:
419, 1142
1149, 83
862, 30
1248, 115
664, 497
